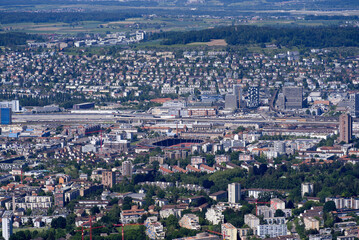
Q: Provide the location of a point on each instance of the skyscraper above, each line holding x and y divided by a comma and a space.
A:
108, 178
345, 128
253, 97
7, 224
5, 116
127, 169
234, 192
293, 97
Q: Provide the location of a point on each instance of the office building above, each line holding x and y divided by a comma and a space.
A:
7, 220
253, 97
127, 169
345, 128
108, 178
234, 192
231, 102
354, 105
5, 116
14, 105
293, 97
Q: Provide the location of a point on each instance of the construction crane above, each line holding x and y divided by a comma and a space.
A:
123, 226
218, 233
90, 228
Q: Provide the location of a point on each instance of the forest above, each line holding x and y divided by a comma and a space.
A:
318, 37
17, 38
66, 17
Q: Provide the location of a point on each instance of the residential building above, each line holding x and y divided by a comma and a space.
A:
215, 216
127, 169
253, 97
307, 188
251, 220
229, 232
190, 221
154, 229
274, 227
133, 215
197, 160
354, 105
7, 220
108, 178
234, 192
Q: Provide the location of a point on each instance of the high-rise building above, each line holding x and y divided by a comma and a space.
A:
354, 104
253, 97
5, 115
7, 219
234, 192
307, 188
108, 178
127, 169
231, 102
279, 147
345, 128
293, 97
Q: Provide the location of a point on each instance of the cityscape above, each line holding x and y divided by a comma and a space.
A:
180, 120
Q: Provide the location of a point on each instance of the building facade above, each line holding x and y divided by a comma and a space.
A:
234, 192
345, 128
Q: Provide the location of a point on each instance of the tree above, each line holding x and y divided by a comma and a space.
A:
59, 222
329, 206
279, 213
94, 210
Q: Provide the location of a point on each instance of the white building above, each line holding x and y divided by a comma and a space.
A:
7, 224
14, 105
307, 188
215, 216
275, 227
234, 192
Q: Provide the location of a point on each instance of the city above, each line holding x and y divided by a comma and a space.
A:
112, 134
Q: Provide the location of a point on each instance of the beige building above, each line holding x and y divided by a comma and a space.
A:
190, 221
229, 232
311, 223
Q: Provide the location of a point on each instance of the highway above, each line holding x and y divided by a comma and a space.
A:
70, 118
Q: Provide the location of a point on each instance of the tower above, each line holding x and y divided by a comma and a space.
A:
7, 224
108, 178
234, 192
345, 128
127, 169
